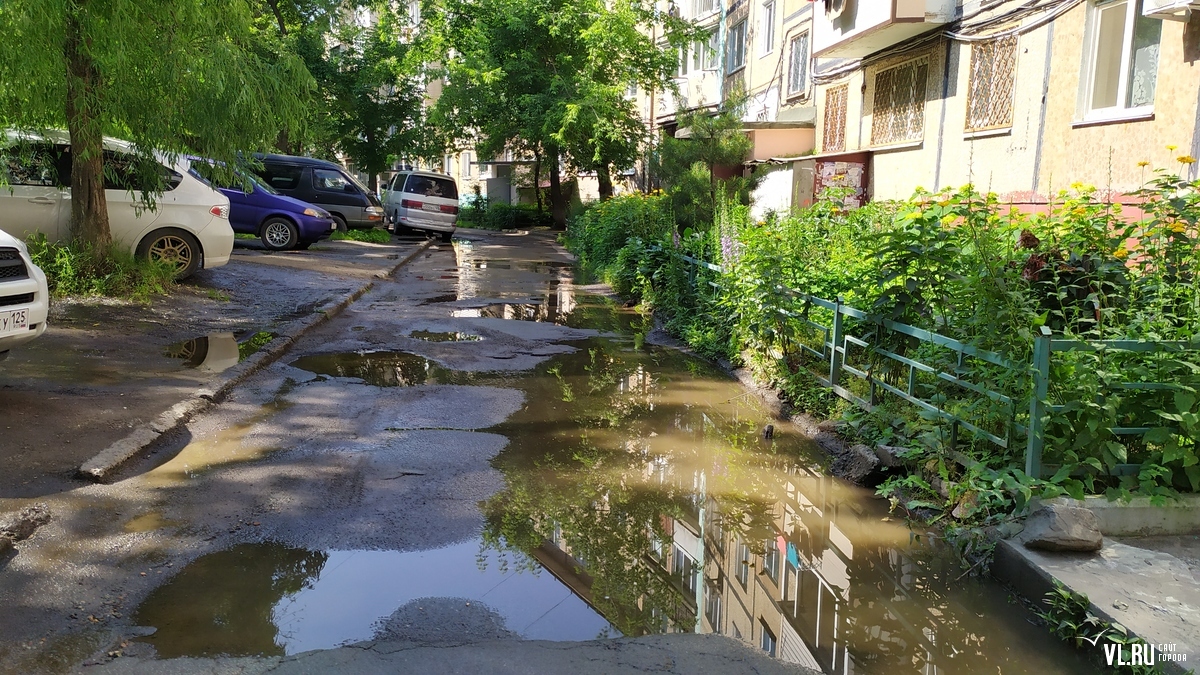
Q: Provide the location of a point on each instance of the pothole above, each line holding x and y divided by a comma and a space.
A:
435, 336
382, 368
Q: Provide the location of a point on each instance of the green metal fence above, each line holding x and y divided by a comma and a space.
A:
1024, 410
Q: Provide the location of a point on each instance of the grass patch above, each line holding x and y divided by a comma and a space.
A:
218, 295
373, 236
243, 235
254, 344
73, 270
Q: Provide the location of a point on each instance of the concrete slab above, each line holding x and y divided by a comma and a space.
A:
1152, 593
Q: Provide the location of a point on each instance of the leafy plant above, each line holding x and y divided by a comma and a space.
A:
75, 270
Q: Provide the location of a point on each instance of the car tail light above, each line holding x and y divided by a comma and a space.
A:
220, 211
410, 204
446, 208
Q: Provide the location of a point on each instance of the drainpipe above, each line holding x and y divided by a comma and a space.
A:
721, 37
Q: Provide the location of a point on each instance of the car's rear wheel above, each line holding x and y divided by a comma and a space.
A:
341, 223
279, 234
173, 246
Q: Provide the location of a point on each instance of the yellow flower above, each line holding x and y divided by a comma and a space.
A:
1172, 148
1177, 227
1143, 163
1186, 159
1076, 185
1121, 252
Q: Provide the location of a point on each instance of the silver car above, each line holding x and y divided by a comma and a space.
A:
423, 201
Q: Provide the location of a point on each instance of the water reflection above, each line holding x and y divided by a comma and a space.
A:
225, 602
643, 483
380, 368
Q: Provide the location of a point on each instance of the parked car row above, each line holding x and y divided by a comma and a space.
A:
288, 203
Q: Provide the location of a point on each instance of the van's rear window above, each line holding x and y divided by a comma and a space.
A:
431, 186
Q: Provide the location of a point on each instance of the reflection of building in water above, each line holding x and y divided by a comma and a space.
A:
553, 303
792, 583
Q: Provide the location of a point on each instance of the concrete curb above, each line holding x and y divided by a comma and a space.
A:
112, 458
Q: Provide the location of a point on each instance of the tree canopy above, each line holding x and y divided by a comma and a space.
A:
550, 78
177, 77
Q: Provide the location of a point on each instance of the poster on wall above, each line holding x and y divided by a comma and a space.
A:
849, 173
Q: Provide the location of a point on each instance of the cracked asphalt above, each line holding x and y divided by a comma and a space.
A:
323, 460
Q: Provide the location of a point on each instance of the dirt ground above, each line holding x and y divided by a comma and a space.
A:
105, 367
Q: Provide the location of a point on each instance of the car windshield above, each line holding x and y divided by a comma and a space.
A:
262, 184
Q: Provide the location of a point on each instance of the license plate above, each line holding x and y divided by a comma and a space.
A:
13, 321
431, 207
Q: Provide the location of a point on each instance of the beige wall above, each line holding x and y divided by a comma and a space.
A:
1044, 150
1089, 154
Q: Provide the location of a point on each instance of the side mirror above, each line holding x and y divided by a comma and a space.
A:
350, 188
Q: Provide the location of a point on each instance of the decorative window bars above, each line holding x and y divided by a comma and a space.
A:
834, 133
898, 109
993, 70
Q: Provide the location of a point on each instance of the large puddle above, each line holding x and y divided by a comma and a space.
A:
639, 497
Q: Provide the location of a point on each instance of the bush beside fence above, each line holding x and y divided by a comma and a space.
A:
1062, 345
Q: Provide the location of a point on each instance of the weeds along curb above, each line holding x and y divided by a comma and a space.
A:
112, 458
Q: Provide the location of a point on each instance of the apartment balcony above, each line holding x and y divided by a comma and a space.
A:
858, 28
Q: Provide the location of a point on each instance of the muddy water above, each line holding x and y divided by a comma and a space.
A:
639, 497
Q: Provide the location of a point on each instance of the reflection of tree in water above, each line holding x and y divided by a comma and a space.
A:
582, 478
224, 602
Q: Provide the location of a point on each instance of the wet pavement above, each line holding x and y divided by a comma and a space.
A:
484, 450
105, 367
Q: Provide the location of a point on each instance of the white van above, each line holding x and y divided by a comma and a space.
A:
188, 226
422, 200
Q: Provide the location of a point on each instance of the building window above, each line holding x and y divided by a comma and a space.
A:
743, 564
465, 161
712, 605
993, 68
683, 62
767, 30
898, 110
834, 133
710, 53
702, 7
736, 58
771, 563
447, 164
798, 70
767, 641
1121, 61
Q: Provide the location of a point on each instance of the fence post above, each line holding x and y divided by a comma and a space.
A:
835, 340
1037, 403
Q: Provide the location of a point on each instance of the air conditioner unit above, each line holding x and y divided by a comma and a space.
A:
1172, 10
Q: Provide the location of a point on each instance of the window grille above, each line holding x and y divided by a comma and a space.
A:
835, 119
798, 73
898, 111
993, 68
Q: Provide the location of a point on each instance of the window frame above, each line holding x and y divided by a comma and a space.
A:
767, 44
712, 53
1091, 45
923, 100
736, 46
842, 91
802, 89
974, 89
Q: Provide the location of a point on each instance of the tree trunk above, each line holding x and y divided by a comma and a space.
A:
373, 181
558, 201
604, 178
89, 208
537, 180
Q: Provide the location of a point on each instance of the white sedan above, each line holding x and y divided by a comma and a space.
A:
23, 296
187, 225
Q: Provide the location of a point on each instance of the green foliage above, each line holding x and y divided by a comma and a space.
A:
254, 343
1068, 615
73, 270
962, 265
372, 235
183, 79
691, 168
485, 214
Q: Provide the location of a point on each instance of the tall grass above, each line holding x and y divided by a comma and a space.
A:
75, 270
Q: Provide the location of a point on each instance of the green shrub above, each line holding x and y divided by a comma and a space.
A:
73, 270
484, 214
373, 235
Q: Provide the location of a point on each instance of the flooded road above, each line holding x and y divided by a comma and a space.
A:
496, 453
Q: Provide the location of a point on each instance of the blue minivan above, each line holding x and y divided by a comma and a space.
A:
281, 222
